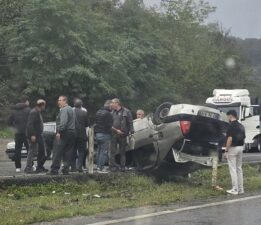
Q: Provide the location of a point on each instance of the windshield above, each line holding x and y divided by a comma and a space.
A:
225, 109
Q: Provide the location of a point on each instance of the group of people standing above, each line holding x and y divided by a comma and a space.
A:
113, 124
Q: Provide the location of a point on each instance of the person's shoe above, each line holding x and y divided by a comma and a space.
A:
122, 169
18, 170
80, 170
52, 173
41, 170
28, 170
241, 192
102, 170
73, 170
232, 192
113, 169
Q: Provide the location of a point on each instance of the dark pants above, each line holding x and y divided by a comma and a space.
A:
85, 157
63, 151
80, 149
41, 153
20, 139
116, 141
103, 145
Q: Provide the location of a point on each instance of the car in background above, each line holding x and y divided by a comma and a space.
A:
49, 136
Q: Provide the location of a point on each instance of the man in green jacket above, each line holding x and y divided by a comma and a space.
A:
65, 137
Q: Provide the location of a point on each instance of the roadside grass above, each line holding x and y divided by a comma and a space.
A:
6, 132
30, 204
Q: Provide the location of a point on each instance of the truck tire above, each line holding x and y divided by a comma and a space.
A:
259, 144
161, 112
247, 148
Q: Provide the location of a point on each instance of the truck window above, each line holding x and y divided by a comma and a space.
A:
226, 108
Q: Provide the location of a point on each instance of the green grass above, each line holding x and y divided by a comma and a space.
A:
6, 132
29, 204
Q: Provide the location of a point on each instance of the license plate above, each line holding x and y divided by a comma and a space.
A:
208, 114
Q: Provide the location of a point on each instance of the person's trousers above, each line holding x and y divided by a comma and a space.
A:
234, 158
79, 152
116, 141
36, 147
103, 146
63, 151
20, 139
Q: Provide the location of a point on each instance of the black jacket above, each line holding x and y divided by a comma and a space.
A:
34, 124
19, 117
123, 119
81, 122
103, 121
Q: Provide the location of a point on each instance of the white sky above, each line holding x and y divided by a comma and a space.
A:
242, 17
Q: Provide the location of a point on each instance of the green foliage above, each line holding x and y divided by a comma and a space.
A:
102, 49
6, 132
47, 202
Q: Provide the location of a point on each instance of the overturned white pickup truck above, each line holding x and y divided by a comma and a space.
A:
178, 133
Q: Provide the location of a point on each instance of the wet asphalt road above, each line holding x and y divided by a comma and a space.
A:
245, 211
240, 213
7, 166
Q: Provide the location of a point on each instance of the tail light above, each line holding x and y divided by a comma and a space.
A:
185, 127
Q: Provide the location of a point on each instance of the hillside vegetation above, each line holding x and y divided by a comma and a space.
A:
101, 49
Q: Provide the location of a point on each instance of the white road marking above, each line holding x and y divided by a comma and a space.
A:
139, 217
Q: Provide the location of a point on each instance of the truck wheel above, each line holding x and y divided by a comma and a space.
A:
259, 144
161, 112
247, 148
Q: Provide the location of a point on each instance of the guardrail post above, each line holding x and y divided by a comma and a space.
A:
91, 149
214, 156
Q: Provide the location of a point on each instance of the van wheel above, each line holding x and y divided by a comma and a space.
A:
161, 112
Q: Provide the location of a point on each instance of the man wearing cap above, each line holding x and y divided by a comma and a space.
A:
34, 130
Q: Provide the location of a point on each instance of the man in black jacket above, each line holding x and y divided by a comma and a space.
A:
103, 126
81, 122
122, 127
18, 119
35, 138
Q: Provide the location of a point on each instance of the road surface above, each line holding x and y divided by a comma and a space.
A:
7, 166
236, 211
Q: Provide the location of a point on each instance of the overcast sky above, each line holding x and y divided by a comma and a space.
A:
242, 17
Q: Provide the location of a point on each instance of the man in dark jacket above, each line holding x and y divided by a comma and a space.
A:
19, 119
122, 127
35, 137
103, 126
65, 137
81, 122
